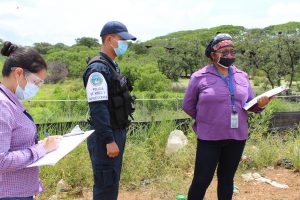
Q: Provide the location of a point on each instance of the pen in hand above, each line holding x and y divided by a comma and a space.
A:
50, 143
46, 134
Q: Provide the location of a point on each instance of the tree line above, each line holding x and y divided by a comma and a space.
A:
272, 53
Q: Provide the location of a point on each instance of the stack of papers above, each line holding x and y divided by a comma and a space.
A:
75, 131
269, 94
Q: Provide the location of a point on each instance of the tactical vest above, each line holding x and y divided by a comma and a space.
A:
120, 102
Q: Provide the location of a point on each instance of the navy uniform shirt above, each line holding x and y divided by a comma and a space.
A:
96, 81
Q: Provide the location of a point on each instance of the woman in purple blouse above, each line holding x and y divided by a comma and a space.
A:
23, 73
214, 98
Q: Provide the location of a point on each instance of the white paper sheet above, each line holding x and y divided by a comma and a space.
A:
269, 93
66, 145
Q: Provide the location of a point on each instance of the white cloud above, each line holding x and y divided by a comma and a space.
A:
29, 21
285, 9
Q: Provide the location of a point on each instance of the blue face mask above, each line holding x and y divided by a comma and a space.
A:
29, 91
122, 47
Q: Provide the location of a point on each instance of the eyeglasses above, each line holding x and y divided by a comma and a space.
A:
29, 76
227, 53
33, 78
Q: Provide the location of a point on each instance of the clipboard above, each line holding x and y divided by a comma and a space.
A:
269, 94
66, 145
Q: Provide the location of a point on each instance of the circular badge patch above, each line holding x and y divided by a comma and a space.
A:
96, 79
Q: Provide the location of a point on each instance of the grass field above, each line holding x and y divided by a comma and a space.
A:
145, 162
1, 66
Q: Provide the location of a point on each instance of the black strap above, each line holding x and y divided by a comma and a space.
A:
99, 58
25, 113
28, 115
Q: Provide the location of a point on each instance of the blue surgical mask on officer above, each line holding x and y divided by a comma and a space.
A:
122, 47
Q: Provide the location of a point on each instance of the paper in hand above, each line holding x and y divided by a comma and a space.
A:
269, 94
66, 145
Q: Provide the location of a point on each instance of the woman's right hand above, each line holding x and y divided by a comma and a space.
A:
51, 143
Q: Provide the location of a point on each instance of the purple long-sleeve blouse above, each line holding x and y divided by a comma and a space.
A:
17, 149
208, 101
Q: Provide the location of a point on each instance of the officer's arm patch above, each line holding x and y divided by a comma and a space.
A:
96, 88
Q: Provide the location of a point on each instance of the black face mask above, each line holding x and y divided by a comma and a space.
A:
226, 62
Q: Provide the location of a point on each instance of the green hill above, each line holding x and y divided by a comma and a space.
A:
152, 64
236, 31
203, 33
290, 27
200, 34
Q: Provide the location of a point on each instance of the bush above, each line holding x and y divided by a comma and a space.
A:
74, 58
259, 124
57, 71
59, 111
144, 163
1, 65
266, 148
298, 86
138, 48
156, 82
257, 81
283, 105
145, 160
295, 148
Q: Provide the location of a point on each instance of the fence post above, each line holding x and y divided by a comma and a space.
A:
69, 108
143, 108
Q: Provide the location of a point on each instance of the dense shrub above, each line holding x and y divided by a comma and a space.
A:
57, 71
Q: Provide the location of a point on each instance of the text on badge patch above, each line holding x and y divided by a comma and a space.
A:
96, 88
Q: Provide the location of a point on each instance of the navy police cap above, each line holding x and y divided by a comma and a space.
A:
115, 27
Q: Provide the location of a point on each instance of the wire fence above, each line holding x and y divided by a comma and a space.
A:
49, 111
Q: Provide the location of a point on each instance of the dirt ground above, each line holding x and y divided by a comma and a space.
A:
247, 190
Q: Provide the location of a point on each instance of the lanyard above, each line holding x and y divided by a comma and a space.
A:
230, 88
25, 113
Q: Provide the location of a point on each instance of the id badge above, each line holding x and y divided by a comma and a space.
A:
234, 120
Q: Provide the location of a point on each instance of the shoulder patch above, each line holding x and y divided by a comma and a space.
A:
96, 88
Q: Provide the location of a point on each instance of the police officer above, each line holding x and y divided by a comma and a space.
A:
107, 109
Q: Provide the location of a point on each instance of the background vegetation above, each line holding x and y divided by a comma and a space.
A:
270, 56
160, 68
145, 162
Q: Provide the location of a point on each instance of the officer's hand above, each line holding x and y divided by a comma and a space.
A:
112, 150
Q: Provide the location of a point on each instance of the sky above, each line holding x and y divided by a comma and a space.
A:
25, 22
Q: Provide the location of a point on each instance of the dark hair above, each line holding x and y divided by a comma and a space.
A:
103, 38
209, 49
24, 57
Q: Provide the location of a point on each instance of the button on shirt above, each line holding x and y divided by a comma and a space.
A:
17, 149
208, 101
